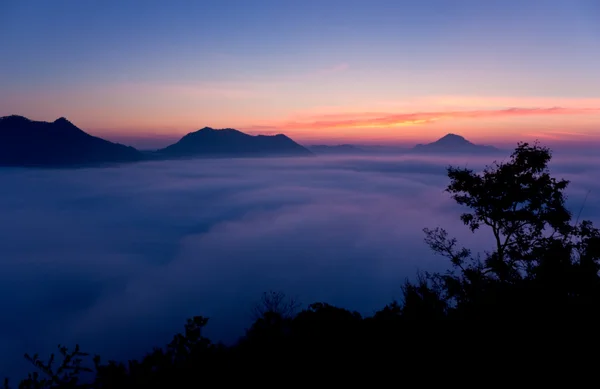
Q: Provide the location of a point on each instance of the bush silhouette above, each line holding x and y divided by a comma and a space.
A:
543, 267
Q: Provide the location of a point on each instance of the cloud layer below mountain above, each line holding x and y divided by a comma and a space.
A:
116, 258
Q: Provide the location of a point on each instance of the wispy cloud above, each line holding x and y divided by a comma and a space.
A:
564, 136
491, 102
387, 120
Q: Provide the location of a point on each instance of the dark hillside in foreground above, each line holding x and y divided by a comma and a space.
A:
25, 142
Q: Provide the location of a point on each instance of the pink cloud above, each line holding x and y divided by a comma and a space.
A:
507, 101
385, 120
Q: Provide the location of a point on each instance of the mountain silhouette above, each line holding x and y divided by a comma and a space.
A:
24, 142
231, 143
452, 143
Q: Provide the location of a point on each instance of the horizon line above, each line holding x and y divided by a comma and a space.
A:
128, 138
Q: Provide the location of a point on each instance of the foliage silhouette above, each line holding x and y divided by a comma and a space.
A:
542, 267
66, 375
275, 302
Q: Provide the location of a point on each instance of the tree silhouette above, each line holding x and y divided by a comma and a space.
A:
541, 262
275, 302
64, 375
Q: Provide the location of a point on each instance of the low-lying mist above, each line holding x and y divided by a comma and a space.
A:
117, 258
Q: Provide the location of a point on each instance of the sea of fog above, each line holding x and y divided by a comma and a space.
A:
117, 258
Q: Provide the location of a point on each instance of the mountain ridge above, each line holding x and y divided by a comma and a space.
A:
209, 141
26, 142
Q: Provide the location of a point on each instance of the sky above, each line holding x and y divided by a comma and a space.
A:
320, 71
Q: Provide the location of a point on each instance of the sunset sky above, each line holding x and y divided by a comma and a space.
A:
320, 71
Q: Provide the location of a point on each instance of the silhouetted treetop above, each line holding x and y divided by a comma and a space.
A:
539, 260
518, 200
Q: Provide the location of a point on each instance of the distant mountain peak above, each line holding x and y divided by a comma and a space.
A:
211, 129
451, 135
62, 120
453, 139
278, 136
451, 143
15, 118
209, 132
232, 142
25, 142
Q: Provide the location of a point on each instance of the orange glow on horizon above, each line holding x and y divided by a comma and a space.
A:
386, 120
169, 112
416, 126
503, 126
